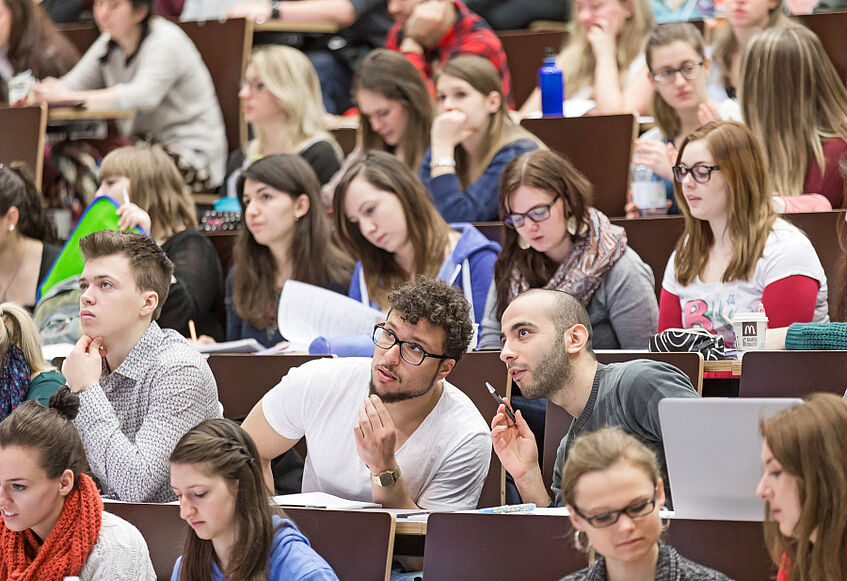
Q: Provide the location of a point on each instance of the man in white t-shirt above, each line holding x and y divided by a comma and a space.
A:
389, 429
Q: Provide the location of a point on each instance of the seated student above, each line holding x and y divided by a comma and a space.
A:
678, 70
804, 485
796, 105
54, 525
24, 375
395, 112
609, 468
281, 100
417, 441
140, 387
147, 63
472, 140
548, 353
222, 496
385, 219
30, 41
734, 253
286, 236
744, 20
27, 236
147, 184
555, 240
603, 59
431, 32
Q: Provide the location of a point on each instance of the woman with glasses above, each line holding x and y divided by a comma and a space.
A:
678, 70
386, 221
735, 254
796, 105
613, 490
281, 100
555, 240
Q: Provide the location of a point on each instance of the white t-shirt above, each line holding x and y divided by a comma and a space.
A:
444, 462
711, 306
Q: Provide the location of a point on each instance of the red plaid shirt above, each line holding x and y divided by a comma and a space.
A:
469, 36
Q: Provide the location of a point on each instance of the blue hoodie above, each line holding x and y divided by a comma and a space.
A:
472, 261
291, 558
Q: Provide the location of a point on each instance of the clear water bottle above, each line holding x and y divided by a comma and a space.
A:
551, 85
648, 193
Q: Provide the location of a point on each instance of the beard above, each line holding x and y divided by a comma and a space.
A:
552, 371
403, 395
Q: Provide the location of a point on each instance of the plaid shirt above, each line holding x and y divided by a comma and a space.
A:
470, 35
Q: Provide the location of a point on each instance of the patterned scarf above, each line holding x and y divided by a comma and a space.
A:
14, 380
65, 549
594, 252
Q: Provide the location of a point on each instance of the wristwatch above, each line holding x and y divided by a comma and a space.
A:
275, 9
443, 162
386, 478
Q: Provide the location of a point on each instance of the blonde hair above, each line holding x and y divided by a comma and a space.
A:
481, 75
577, 59
290, 77
751, 216
792, 98
19, 329
156, 186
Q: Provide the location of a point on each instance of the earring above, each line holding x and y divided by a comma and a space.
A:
666, 524
296, 218
11, 227
523, 243
582, 546
572, 226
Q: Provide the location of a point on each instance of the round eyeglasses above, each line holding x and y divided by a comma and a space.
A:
412, 353
689, 71
536, 214
253, 87
639, 509
700, 172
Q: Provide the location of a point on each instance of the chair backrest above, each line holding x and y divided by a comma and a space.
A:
358, 544
244, 378
600, 147
224, 243
654, 240
525, 53
23, 129
829, 27
792, 373
81, 34
481, 547
346, 138
470, 375
225, 49
160, 526
557, 421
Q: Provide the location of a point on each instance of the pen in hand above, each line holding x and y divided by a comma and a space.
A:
500, 400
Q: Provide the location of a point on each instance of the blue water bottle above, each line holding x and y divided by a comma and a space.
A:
551, 85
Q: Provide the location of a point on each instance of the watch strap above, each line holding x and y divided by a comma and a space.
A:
443, 161
386, 478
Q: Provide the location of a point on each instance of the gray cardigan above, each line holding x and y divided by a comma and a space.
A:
168, 84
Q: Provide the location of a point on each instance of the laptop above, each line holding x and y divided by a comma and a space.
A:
713, 451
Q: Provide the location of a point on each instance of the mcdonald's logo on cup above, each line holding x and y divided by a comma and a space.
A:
749, 331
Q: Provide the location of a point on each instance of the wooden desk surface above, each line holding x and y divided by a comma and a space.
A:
75, 114
731, 366
289, 26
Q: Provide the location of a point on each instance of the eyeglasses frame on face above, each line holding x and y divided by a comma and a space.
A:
401, 342
668, 76
617, 513
685, 170
517, 219
252, 87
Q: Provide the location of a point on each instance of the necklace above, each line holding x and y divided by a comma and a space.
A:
14, 276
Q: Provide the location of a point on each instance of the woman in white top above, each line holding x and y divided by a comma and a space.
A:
53, 520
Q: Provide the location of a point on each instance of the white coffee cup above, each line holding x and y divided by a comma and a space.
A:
749, 331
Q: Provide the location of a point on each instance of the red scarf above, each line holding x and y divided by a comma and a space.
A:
65, 549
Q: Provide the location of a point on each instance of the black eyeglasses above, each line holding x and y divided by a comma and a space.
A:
700, 172
667, 76
536, 214
412, 353
252, 86
639, 509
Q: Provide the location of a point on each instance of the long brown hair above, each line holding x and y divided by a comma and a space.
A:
427, 230
219, 447
481, 75
18, 189
751, 216
810, 443
556, 175
315, 256
390, 74
792, 99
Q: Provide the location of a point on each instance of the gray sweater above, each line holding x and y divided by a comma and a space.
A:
168, 84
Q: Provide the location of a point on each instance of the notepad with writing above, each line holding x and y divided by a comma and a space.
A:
320, 500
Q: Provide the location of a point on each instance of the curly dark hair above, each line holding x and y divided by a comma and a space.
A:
442, 305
